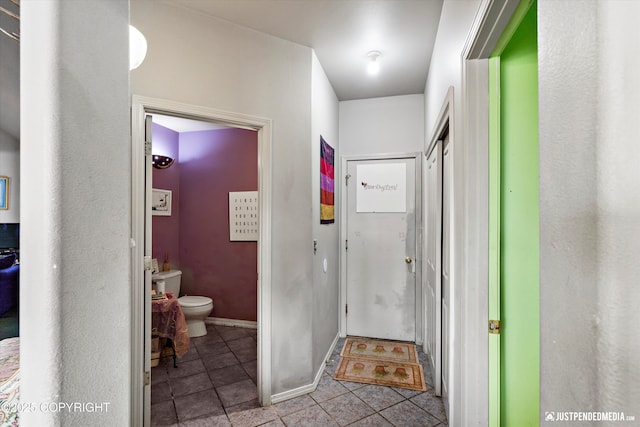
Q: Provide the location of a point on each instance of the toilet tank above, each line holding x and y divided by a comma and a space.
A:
171, 280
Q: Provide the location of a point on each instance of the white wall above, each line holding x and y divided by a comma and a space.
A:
324, 121
209, 62
76, 211
446, 63
393, 124
10, 166
589, 206
446, 70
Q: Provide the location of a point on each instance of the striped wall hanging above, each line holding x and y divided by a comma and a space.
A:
327, 215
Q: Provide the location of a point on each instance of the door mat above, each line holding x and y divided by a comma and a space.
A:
368, 371
365, 348
377, 362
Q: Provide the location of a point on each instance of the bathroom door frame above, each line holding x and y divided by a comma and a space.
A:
141, 269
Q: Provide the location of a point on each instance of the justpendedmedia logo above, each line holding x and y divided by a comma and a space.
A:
553, 416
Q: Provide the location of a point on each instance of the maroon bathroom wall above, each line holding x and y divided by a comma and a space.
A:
212, 164
166, 229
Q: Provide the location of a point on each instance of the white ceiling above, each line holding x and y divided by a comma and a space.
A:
342, 32
178, 124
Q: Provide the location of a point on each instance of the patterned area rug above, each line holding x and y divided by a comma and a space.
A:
381, 362
365, 348
9, 381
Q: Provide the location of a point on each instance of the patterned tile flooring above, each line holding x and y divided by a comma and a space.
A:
215, 385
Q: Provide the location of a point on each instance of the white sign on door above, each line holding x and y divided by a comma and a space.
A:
381, 187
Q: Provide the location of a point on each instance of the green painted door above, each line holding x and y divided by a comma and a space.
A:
514, 279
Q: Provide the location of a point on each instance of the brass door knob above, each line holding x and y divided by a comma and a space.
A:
408, 260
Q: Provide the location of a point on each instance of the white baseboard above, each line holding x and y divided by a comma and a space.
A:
290, 394
330, 352
251, 324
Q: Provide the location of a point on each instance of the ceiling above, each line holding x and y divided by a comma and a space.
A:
179, 124
342, 32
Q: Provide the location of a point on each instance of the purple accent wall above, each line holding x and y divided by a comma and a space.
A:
166, 229
212, 164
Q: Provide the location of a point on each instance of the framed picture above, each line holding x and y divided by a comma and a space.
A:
243, 216
161, 202
4, 192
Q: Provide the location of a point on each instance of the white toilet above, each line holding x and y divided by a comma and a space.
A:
195, 308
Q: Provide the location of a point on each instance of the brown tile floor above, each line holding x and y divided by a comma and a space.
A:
215, 385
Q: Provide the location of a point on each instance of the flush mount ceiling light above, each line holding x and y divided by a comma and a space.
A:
161, 162
374, 65
137, 47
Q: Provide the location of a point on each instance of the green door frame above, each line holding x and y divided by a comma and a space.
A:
501, 410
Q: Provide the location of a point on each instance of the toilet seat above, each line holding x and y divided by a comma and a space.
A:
194, 301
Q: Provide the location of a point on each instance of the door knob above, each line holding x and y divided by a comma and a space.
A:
408, 260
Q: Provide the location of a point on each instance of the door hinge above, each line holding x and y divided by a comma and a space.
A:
346, 309
346, 179
148, 126
494, 326
346, 244
147, 378
148, 263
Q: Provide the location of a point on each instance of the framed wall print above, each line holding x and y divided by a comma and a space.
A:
161, 202
243, 216
4, 192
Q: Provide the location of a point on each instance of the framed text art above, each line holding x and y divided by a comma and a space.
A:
243, 216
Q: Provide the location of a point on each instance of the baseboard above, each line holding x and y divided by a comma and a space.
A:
330, 352
290, 394
251, 324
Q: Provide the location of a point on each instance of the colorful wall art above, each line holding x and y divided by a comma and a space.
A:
327, 215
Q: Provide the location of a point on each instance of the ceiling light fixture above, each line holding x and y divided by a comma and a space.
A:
374, 65
161, 162
137, 47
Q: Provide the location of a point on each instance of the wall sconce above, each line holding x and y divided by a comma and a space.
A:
137, 47
161, 162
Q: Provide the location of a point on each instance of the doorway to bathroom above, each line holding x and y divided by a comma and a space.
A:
220, 255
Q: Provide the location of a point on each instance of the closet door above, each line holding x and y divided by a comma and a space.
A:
433, 237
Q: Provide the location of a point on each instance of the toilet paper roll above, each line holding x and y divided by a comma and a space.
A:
160, 286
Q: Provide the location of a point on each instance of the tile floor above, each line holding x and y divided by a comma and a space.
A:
215, 385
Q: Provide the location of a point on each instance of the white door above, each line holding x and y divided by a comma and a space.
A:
381, 248
433, 237
446, 264
148, 176
438, 277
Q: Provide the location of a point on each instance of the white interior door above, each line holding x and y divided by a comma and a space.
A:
446, 264
433, 275
381, 248
148, 175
